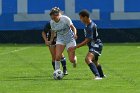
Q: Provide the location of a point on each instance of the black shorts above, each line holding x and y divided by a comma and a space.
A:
54, 41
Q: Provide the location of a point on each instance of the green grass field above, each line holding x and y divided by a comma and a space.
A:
28, 69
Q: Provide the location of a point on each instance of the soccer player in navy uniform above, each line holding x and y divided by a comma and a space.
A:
46, 34
94, 43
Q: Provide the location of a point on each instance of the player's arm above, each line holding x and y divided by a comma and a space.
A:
70, 24
45, 38
74, 30
45, 33
88, 37
53, 34
83, 43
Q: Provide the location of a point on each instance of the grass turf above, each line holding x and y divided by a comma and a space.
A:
28, 69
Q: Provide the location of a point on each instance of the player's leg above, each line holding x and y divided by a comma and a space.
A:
97, 52
63, 62
99, 67
91, 65
63, 59
59, 50
52, 51
71, 54
72, 57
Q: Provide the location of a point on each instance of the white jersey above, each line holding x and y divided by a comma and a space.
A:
64, 33
63, 26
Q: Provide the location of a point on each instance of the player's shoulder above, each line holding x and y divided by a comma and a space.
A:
93, 24
64, 17
51, 21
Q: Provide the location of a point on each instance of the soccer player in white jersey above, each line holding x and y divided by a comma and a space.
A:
66, 35
46, 34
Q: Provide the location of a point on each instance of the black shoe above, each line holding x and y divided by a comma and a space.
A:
104, 76
65, 72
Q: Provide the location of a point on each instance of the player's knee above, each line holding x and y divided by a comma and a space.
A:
87, 60
58, 57
72, 59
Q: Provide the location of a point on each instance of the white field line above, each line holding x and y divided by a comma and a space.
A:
13, 51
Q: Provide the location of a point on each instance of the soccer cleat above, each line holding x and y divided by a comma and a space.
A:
75, 63
104, 76
65, 72
97, 78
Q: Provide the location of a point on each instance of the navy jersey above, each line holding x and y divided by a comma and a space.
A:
92, 34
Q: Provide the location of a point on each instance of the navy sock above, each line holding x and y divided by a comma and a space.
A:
63, 62
93, 69
100, 70
53, 64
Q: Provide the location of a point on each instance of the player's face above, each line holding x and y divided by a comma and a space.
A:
52, 17
82, 19
55, 17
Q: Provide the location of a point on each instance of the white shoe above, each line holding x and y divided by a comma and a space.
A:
97, 78
75, 63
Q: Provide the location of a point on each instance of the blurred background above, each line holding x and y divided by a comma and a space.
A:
26, 62
22, 21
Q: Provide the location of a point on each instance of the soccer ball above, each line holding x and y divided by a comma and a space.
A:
58, 74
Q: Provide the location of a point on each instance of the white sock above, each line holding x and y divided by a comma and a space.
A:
57, 65
75, 58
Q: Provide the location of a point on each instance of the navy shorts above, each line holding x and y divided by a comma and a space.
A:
96, 50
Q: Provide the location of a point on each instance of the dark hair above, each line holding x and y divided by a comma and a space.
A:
84, 13
55, 11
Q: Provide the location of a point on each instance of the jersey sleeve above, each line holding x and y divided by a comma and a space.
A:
68, 21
